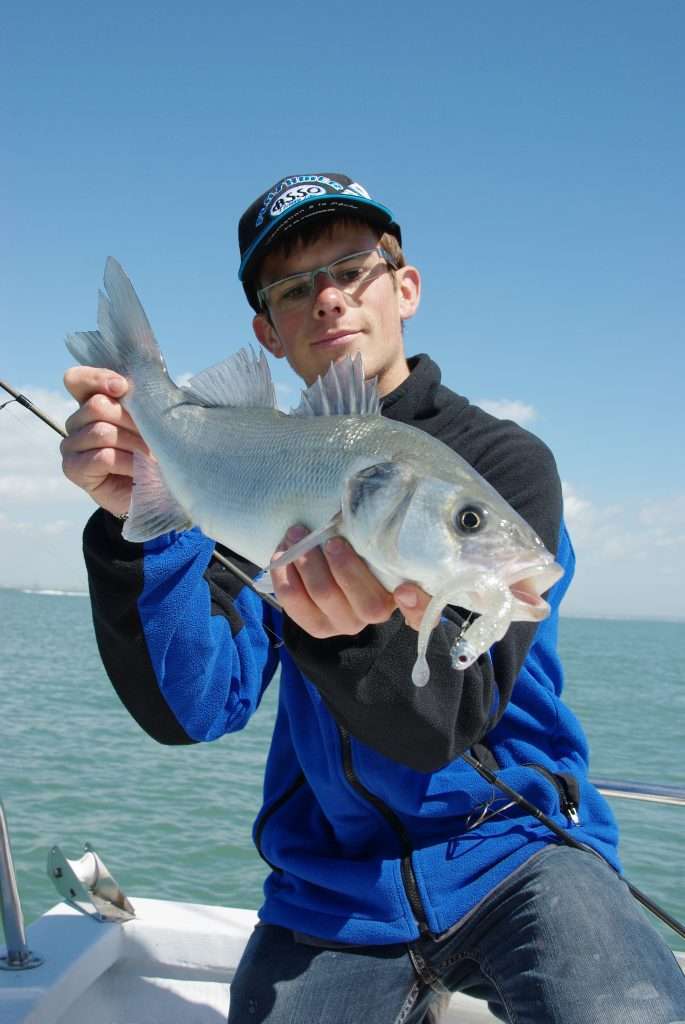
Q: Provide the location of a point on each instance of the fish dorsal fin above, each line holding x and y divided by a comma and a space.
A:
342, 391
153, 510
241, 380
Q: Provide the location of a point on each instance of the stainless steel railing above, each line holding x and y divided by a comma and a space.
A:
19, 956
650, 792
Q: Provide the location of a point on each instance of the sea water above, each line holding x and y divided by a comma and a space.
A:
174, 822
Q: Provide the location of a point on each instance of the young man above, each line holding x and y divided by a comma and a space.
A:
397, 873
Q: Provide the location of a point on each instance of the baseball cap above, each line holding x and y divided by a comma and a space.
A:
294, 200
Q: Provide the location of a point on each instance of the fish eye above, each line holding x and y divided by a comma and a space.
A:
471, 518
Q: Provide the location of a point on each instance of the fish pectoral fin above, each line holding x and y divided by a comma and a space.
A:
243, 379
312, 540
153, 510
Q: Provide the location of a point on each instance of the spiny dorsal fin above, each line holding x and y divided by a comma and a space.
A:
241, 380
342, 391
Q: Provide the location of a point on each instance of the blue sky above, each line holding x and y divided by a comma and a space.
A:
532, 152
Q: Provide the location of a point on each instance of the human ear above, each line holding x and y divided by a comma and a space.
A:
266, 335
409, 288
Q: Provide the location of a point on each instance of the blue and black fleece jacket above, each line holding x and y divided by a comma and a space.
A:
374, 829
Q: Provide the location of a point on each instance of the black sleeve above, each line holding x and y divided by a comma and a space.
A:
116, 576
365, 679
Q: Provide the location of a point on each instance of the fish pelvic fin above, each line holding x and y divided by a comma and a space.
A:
312, 540
153, 510
124, 338
241, 380
342, 391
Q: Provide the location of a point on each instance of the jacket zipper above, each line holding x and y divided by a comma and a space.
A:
569, 795
407, 869
269, 812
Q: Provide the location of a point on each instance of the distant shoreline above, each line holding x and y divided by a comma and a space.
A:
593, 616
45, 591
615, 617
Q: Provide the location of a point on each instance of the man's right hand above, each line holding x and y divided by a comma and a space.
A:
97, 453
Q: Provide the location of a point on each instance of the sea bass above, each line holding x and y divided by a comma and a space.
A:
227, 460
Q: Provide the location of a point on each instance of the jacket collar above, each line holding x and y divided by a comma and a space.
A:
421, 398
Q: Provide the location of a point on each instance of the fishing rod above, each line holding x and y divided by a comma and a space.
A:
481, 769
226, 562
28, 404
567, 839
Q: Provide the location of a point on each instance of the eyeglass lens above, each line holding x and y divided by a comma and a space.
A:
348, 273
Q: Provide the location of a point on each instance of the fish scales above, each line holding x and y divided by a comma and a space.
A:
227, 460
252, 473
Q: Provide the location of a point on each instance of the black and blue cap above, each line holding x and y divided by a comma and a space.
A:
291, 202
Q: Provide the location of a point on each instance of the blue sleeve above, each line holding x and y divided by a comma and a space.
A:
186, 645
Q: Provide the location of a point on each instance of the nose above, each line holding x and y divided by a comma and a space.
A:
328, 298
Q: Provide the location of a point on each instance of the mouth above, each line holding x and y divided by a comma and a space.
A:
527, 586
334, 339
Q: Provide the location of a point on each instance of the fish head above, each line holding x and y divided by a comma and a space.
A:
457, 538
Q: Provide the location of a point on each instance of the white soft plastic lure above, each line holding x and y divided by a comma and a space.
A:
227, 460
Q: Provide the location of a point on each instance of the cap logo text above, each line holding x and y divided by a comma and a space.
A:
295, 195
291, 182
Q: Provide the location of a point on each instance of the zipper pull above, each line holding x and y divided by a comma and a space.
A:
572, 813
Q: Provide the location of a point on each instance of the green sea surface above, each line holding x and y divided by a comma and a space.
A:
175, 822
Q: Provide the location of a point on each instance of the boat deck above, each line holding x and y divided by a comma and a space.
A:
171, 964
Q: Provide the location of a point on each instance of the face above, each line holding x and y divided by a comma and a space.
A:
334, 324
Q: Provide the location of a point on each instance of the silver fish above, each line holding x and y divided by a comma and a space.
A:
227, 460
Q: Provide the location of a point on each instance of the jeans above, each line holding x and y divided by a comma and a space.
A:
560, 941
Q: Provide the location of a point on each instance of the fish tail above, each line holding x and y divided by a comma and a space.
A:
124, 340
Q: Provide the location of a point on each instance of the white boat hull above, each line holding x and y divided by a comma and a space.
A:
173, 963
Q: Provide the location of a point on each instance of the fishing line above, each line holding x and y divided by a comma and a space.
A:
484, 772
562, 834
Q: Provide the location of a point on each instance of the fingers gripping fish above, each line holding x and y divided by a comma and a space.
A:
228, 461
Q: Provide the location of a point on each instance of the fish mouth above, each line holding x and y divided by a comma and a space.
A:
527, 586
